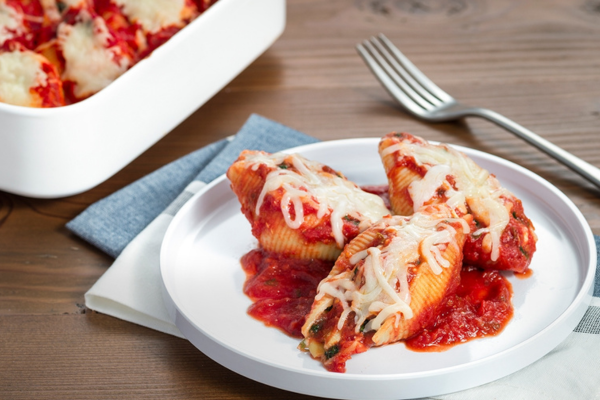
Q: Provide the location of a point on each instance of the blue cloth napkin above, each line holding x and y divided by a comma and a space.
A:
597, 283
111, 223
130, 224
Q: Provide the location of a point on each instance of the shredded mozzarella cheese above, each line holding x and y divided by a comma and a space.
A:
379, 289
11, 22
476, 187
333, 195
154, 15
423, 190
20, 71
90, 63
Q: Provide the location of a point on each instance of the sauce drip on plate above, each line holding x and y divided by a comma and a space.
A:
283, 288
480, 307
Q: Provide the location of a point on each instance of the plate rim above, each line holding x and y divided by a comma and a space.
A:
580, 301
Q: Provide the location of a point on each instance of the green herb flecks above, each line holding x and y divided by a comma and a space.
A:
364, 325
332, 351
315, 328
351, 220
524, 252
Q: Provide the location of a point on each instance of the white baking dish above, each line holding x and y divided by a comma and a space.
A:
57, 152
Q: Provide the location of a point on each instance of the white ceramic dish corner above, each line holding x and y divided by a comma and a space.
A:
203, 281
50, 153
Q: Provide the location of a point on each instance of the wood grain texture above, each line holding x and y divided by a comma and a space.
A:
93, 356
536, 62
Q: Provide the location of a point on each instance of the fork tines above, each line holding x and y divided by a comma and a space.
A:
425, 100
400, 77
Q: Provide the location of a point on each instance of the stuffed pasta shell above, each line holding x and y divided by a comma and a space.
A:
386, 285
420, 173
298, 207
29, 79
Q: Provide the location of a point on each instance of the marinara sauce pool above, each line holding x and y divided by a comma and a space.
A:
481, 306
283, 290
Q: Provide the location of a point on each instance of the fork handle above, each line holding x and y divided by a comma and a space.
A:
588, 171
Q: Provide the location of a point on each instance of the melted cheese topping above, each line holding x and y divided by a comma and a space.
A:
74, 3
89, 62
334, 195
20, 71
154, 15
11, 23
379, 288
51, 10
476, 187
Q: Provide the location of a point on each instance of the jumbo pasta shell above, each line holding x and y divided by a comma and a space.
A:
386, 285
299, 207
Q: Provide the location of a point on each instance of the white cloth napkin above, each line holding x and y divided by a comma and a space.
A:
131, 224
570, 371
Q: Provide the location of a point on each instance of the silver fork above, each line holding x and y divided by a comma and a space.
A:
423, 99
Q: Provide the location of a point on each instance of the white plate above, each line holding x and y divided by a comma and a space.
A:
203, 282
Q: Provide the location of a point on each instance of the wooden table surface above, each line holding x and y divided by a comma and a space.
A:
536, 62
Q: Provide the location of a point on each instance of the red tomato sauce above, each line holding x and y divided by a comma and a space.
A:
282, 288
50, 94
480, 307
31, 15
517, 244
321, 232
524, 275
351, 342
